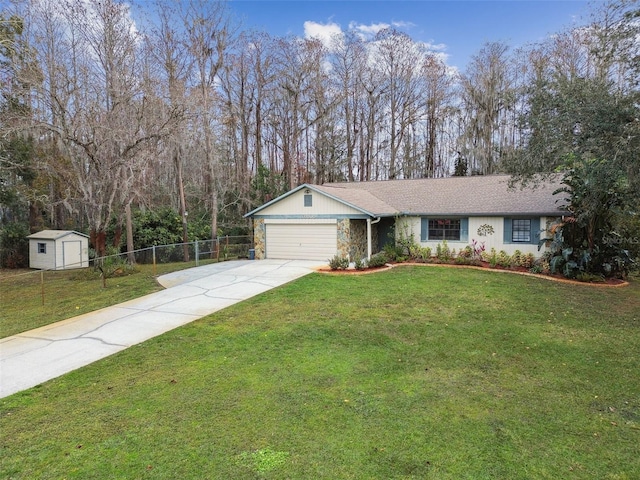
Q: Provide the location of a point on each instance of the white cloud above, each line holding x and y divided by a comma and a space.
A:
402, 24
435, 47
327, 33
367, 32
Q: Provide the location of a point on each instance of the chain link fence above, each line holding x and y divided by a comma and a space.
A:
55, 290
217, 249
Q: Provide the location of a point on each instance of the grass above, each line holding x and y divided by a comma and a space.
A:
412, 373
27, 305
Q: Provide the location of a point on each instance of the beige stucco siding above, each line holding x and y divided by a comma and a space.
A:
496, 240
320, 205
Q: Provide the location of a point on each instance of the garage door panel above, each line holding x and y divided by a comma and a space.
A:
301, 241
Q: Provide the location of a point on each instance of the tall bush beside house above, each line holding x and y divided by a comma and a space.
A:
596, 192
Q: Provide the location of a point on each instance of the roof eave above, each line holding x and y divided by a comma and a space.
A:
317, 190
541, 213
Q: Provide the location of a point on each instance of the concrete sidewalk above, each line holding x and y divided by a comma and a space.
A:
33, 357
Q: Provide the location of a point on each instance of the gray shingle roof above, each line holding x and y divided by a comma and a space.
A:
53, 234
476, 195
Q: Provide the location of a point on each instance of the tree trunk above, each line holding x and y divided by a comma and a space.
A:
183, 203
131, 258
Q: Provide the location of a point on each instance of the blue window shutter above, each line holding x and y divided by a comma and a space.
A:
535, 230
507, 231
464, 229
424, 229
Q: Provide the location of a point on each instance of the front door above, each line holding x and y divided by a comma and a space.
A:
386, 232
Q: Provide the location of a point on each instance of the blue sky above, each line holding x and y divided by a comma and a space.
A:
457, 27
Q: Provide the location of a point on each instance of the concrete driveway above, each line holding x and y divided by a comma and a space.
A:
33, 357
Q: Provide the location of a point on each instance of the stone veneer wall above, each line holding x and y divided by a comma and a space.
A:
258, 237
344, 237
358, 241
374, 239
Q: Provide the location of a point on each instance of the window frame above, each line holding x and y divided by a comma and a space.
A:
42, 248
517, 227
308, 200
446, 225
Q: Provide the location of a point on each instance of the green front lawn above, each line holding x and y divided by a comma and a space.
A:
32, 299
417, 372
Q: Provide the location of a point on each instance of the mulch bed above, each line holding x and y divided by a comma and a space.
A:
608, 282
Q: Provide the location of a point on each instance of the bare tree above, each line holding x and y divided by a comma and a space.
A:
439, 81
487, 90
400, 60
90, 100
165, 46
209, 37
349, 61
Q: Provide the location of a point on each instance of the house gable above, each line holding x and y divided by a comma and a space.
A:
306, 202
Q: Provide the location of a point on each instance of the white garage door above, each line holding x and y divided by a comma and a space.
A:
301, 241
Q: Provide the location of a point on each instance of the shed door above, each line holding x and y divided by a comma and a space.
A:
72, 254
301, 241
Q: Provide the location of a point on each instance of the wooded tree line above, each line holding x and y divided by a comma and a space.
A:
101, 116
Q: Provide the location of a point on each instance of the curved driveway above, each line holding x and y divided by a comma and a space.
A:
33, 357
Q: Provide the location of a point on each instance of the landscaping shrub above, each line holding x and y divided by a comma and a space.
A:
516, 259
378, 260
477, 249
424, 254
443, 253
462, 260
528, 260
491, 257
338, 263
393, 252
503, 259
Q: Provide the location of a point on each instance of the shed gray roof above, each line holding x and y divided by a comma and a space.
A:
54, 234
476, 195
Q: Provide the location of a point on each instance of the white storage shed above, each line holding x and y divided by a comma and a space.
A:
58, 250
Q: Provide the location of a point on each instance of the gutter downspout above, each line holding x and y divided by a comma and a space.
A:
369, 223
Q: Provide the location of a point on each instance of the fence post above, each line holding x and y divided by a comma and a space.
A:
196, 253
153, 249
217, 249
42, 285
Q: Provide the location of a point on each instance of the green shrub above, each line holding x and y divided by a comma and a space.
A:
392, 252
360, 264
536, 269
516, 259
14, 246
504, 259
528, 260
462, 260
378, 260
424, 254
491, 257
589, 277
338, 263
443, 253
406, 245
